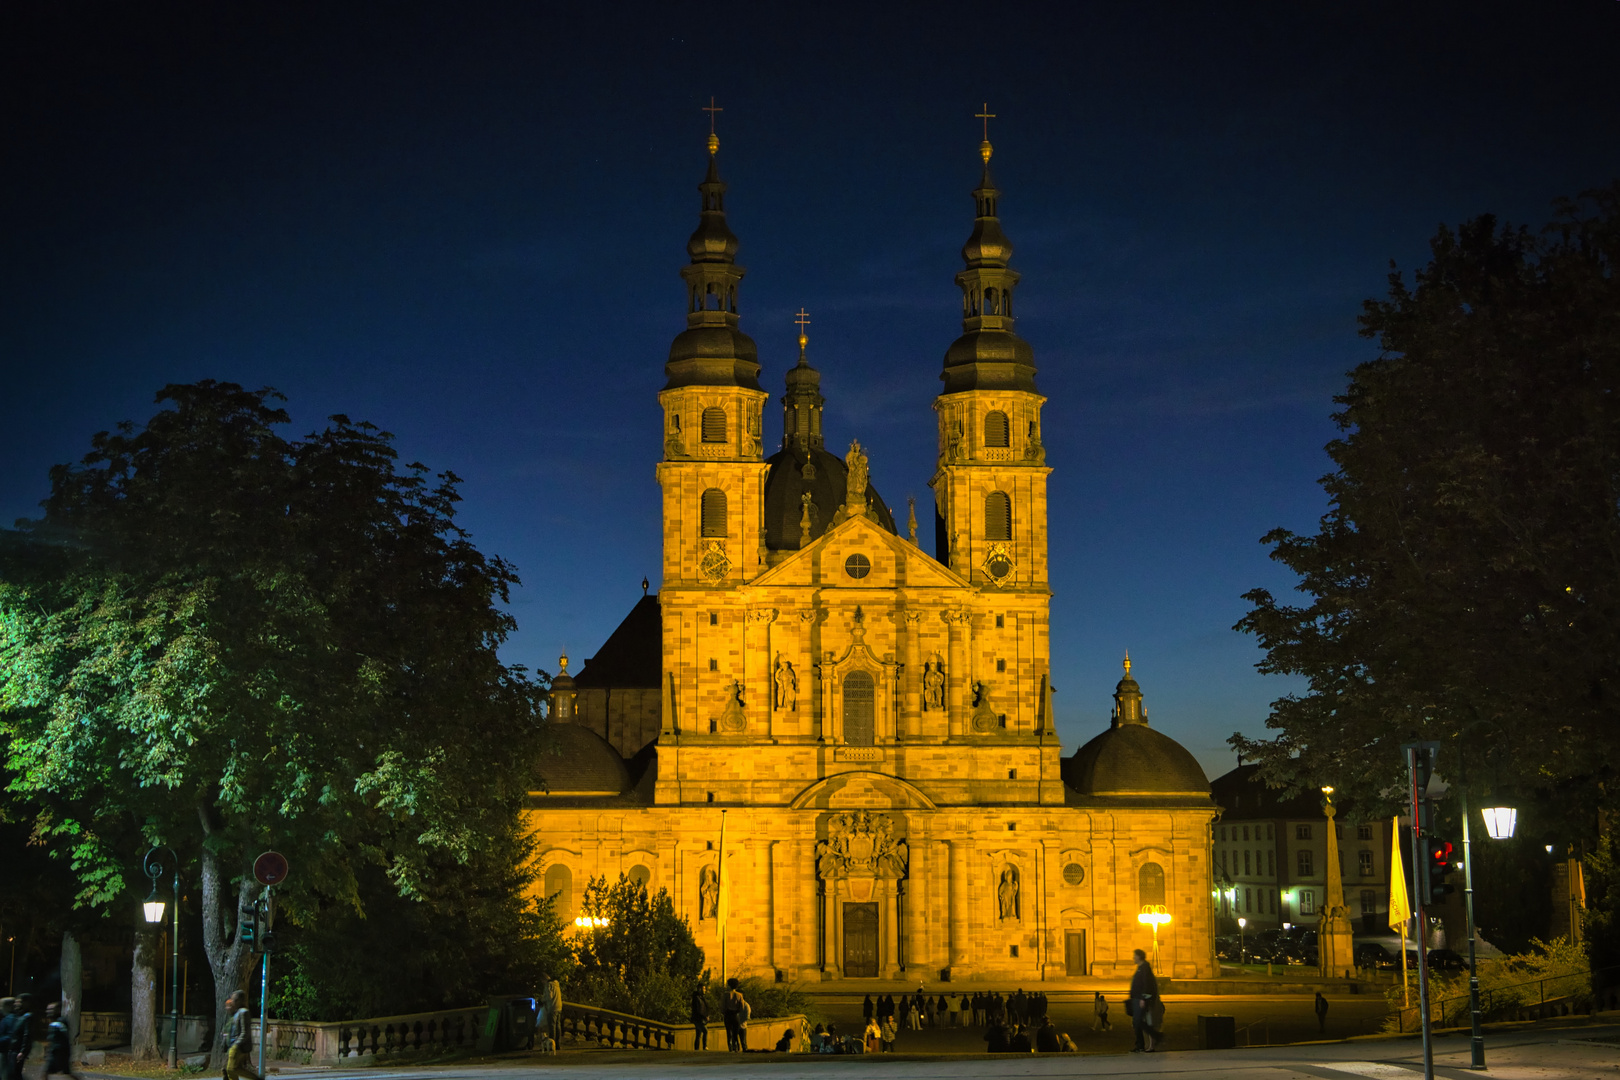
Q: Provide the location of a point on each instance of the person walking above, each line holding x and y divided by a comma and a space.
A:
58, 1044
238, 1039
890, 1031
8, 1024
700, 1018
552, 1000
1321, 1014
737, 1012
1144, 999
1099, 1005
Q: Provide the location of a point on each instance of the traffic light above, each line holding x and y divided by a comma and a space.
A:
250, 929
1436, 866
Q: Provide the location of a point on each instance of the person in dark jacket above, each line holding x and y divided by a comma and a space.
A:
239, 1039
1019, 1043
700, 1018
1046, 1039
1144, 1000
1321, 1013
867, 1008
58, 1044
995, 1039
8, 1022
22, 1034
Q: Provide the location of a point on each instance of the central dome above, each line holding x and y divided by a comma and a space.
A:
1131, 759
824, 475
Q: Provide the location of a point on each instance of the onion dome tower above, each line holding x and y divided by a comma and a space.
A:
713, 472
990, 486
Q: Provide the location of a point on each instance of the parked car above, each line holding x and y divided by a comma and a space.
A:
1446, 960
1370, 954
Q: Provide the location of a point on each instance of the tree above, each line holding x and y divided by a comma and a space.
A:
1465, 582
240, 642
641, 957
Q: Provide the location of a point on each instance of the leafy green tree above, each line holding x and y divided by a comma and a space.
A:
641, 958
237, 642
1465, 582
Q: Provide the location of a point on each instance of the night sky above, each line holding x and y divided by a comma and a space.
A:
464, 223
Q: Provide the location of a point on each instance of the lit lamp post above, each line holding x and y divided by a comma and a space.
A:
1152, 915
153, 909
1243, 945
1500, 821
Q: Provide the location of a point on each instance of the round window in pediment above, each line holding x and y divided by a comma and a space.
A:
1074, 873
857, 566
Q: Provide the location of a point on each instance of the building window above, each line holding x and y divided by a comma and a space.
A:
1307, 902
1270, 835
1306, 869
714, 425
1150, 884
1363, 832
1001, 665
1248, 901
1365, 865
1223, 833
860, 701
1246, 870
713, 514
857, 566
560, 886
1001, 622
1271, 864
997, 516
995, 428
1302, 832
1223, 863
714, 618
639, 875
1245, 832
1014, 950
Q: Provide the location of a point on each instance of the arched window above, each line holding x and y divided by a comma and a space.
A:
1150, 884
560, 884
997, 516
639, 875
714, 424
995, 428
860, 707
714, 513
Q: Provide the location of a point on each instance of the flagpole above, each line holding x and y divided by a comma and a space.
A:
1400, 908
721, 905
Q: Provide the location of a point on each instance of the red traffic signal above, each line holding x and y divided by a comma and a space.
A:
1436, 865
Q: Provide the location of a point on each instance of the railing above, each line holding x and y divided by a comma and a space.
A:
377, 1039
587, 1025
1569, 993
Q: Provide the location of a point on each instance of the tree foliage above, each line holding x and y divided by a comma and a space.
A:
642, 959
1465, 582
233, 641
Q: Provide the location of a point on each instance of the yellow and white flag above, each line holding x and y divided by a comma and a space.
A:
1400, 908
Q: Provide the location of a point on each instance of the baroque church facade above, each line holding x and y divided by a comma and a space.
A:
836, 750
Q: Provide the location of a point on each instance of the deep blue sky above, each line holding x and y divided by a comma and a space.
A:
464, 223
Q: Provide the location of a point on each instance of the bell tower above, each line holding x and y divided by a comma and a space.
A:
713, 470
990, 486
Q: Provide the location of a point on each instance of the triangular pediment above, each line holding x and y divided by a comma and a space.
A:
891, 562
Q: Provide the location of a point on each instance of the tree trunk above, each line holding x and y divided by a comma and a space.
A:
72, 988
143, 993
224, 910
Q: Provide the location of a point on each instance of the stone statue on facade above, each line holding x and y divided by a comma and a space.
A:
708, 893
985, 717
732, 719
787, 685
859, 477
861, 843
807, 519
1007, 894
933, 684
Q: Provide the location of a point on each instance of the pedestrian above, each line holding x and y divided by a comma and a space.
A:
552, 999
1046, 1037
951, 1012
22, 1035
737, 1013
1144, 997
868, 1010
930, 1011
8, 1022
1020, 1042
58, 1044
995, 1039
889, 1031
872, 1037
1321, 1014
700, 1017
238, 1038
1066, 1044
784, 1045
1099, 1005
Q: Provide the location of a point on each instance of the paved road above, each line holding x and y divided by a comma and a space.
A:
1588, 1051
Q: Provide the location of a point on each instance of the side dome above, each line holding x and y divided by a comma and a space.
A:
575, 760
1130, 759
824, 475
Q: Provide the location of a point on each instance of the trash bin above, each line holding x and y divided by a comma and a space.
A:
1217, 1032
511, 1024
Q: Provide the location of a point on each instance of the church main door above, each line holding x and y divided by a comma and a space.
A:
860, 941
1074, 952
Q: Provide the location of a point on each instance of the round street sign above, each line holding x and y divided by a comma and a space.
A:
270, 868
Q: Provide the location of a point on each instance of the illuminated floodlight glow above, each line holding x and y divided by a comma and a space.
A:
1500, 821
1153, 915
587, 922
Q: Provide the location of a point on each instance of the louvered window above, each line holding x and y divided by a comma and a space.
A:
714, 513
997, 516
995, 428
860, 706
714, 425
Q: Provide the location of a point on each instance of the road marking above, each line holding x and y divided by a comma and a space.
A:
1377, 1069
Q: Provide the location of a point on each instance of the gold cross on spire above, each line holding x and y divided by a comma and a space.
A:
711, 108
803, 319
986, 115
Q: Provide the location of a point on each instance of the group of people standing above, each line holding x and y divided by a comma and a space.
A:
21, 1029
915, 1012
736, 1014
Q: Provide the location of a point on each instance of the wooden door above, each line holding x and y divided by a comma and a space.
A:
1074, 952
860, 941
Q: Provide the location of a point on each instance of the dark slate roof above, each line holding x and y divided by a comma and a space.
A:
632, 658
787, 482
576, 760
1242, 794
1133, 759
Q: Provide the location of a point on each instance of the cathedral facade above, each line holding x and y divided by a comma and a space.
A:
836, 750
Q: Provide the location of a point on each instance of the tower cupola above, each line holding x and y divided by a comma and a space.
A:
802, 403
1128, 699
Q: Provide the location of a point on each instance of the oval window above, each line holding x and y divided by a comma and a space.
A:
857, 566
1074, 873
999, 567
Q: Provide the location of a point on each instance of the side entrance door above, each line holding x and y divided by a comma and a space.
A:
1074, 952
860, 941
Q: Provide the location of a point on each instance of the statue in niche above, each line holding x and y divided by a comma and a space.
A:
787, 685
708, 893
732, 719
985, 717
933, 681
855, 489
1007, 893
674, 443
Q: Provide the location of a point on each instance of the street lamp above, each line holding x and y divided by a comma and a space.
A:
1243, 947
1500, 821
153, 909
1152, 915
